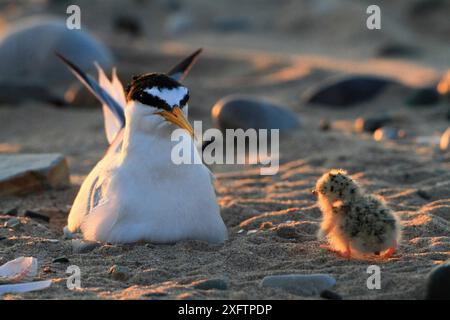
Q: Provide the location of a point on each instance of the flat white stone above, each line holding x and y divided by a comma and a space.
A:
300, 284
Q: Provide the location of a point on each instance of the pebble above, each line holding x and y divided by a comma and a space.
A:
324, 125
24, 60
11, 223
245, 112
424, 194
300, 284
438, 283
444, 143
12, 212
25, 173
287, 232
346, 91
397, 50
211, 284
81, 246
36, 215
388, 133
371, 123
61, 260
119, 273
128, 24
424, 96
330, 295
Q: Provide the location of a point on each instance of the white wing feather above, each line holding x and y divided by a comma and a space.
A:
115, 90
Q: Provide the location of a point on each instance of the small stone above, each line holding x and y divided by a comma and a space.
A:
287, 232
324, 125
371, 123
424, 96
266, 225
61, 260
346, 91
47, 269
249, 232
444, 143
81, 246
300, 284
12, 223
245, 112
423, 194
36, 215
24, 173
12, 212
128, 24
154, 294
330, 295
397, 50
119, 273
211, 284
388, 133
438, 283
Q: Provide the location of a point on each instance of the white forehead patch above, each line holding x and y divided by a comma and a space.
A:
172, 96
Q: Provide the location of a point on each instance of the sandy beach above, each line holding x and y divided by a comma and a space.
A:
272, 220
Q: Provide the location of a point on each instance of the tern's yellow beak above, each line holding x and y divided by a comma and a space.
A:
177, 117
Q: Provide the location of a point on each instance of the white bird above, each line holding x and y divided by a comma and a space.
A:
136, 192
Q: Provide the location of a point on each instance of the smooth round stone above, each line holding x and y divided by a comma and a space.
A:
300, 284
211, 284
245, 112
12, 223
444, 144
346, 91
424, 96
438, 283
27, 52
388, 133
371, 123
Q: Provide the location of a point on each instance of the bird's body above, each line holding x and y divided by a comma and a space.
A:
355, 222
136, 192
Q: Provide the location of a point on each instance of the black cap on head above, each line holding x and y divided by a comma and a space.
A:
138, 90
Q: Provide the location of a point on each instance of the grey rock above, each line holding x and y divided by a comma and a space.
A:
371, 123
424, 96
81, 246
438, 283
36, 215
388, 133
60, 260
27, 52
245, 112
128, 24
24, 173
12, 223
397, 50
300, 284
330, 295
119, 273
211, 284
346, 91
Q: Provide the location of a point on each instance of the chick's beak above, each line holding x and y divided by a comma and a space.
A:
177, 117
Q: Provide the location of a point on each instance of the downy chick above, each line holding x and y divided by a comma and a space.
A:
355, 222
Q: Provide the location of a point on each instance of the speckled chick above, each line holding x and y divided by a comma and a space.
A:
355, 223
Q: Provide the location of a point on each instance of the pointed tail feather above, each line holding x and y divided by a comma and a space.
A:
181, 70
101, 94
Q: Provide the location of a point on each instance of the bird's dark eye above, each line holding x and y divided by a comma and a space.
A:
184, 100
